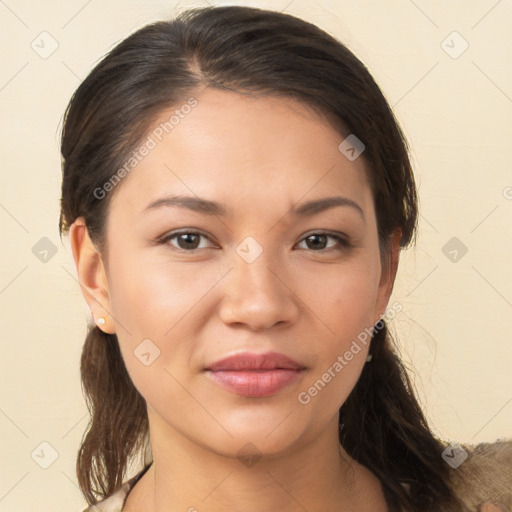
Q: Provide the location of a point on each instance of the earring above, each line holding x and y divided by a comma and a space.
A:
100, 321
369, 358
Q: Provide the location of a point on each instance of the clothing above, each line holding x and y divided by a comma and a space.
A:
115, 502
485, 477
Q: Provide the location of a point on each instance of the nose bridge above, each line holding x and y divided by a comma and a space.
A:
255, 273
260, 273
256, 294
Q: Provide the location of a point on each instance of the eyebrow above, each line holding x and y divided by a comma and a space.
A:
213, 208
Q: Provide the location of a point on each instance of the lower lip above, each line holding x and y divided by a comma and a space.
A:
255, 383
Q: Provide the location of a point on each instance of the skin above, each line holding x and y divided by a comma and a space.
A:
308, 299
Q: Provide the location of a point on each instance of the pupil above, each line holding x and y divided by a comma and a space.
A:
186, 237
316, 237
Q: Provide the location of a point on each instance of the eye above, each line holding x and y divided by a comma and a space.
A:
318, 242
185, 240
190, 241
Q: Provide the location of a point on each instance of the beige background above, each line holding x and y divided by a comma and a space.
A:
455, 329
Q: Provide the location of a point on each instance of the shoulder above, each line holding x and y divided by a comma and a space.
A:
114, 502
482, 474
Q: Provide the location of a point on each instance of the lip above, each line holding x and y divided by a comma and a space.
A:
255, 375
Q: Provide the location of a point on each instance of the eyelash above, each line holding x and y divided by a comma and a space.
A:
342, 241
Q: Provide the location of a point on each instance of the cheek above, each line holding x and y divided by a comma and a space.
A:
342, 297
343, 309
153, 299
150, 295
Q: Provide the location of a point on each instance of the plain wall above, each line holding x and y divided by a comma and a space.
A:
456, 110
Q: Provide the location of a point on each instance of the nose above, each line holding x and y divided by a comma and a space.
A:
258, 295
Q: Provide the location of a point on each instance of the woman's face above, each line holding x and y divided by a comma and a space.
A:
259, 272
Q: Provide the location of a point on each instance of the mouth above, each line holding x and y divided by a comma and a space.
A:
255, 375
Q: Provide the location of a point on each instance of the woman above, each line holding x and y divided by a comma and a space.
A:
237, 192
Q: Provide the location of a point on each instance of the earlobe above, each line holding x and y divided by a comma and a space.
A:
91, 275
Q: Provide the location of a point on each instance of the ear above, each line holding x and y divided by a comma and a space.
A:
388, 273
91, 274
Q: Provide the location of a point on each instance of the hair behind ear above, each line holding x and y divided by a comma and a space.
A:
118, 423
383, 427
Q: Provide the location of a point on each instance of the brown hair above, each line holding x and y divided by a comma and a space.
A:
252, 51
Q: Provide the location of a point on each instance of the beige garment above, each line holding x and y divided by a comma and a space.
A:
485, 477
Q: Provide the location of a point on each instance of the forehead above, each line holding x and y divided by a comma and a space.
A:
245, 151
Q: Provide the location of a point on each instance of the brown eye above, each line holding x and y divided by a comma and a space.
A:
185, 240
318, 242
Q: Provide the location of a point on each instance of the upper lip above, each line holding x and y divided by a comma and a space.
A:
251, 361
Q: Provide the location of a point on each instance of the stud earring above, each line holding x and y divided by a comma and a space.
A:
100, 321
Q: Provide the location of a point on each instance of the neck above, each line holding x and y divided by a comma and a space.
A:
317, 476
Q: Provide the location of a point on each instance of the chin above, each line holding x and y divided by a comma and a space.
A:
264, 432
